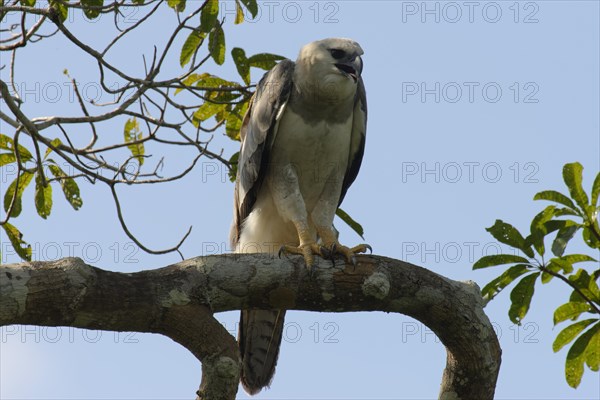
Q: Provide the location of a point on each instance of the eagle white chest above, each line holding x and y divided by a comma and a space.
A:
317, 152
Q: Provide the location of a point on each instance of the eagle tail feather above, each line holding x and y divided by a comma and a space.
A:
260, 335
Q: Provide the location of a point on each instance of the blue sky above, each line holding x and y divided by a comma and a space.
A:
473, 108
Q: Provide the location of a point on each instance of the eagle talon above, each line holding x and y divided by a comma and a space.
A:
326, 253
281, 251
334, 249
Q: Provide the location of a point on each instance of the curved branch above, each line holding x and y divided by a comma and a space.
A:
178, 301
132, 236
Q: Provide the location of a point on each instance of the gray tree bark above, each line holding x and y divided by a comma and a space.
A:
179, 300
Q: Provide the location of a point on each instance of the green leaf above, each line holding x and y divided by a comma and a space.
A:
588, 286
589, 237
576, 258
68, 185
190, 46
239, 13
559, 212
209, 15
573, 177
555, 196
15, 237
206, 81
223, 96
207, 110
498, 259
596, 191
132, 133
567, 335
576, 297
252, 6
27, 3
264, 61
55, 143
234, 120
507, 234
570, 310
233, 162
539, 230
6, 143
562, 264
241, 63
59, 10
7, 158
221, 114
24, 179
356, 227
563, 236
577, 355
43, 197
138, 2
592, 351
520, 298
216, 44
177, 5
490, 290
91, 8
188, 81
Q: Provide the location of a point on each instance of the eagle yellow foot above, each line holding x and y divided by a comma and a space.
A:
349, 253
308, 251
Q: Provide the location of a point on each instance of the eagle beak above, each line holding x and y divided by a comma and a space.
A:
349, 69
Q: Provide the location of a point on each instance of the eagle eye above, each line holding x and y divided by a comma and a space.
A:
337, 53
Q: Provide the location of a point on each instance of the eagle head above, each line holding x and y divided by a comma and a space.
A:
331, 65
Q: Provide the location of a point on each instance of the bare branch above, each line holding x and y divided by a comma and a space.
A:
132, 236
25, 35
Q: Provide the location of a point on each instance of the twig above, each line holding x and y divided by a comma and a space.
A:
568, 282
135, 240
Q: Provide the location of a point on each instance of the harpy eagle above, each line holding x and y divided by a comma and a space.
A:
303, 139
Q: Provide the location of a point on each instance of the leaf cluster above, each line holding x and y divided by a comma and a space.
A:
560, 221
221, 99
30, 169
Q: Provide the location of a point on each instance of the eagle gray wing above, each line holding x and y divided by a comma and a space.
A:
359, 135
260, 331
257, 135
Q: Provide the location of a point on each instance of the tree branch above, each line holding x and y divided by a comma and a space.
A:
178, 301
